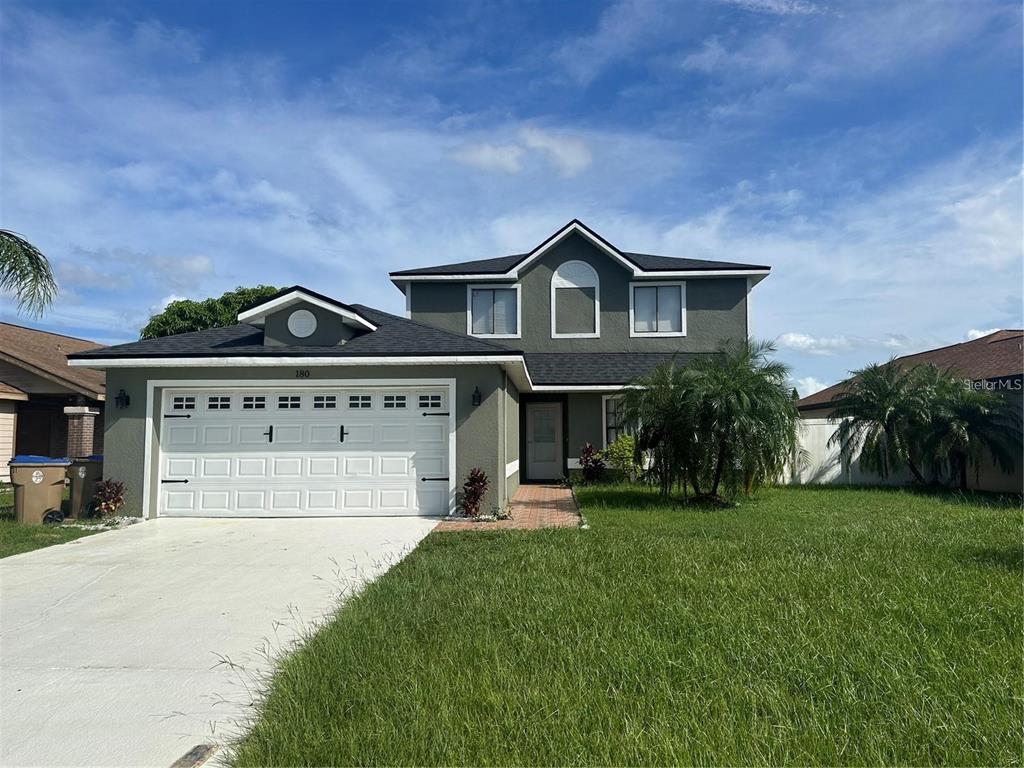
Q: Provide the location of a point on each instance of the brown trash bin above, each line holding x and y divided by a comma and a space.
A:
84, 473
38, 488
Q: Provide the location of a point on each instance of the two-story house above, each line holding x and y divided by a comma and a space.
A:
310, 406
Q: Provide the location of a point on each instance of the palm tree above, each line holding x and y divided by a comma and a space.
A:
966, 424
25, 272
659, 405
725, 421
879, 414
746, 415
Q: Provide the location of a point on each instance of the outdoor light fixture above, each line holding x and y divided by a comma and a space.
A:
477, 397
122, 400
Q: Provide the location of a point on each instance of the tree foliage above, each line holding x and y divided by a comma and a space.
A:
724, 423
186, 315
925, 419
25, 272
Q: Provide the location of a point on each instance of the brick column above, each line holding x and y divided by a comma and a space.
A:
81, 428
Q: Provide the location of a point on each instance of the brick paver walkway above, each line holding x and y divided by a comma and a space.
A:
533, 506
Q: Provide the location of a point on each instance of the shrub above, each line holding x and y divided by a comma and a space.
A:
592, 464
621, 455
108, 497
473, 491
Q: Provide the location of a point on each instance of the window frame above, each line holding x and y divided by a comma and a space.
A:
470, 287
604, 418
365, 401
657, 284
399, 401
255, 403
555, 285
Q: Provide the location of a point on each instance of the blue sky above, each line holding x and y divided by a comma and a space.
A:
870, 152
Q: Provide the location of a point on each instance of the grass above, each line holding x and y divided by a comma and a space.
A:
807, 626
16, 538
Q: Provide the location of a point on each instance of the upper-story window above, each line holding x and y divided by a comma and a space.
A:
493, 311
657, 309
575, 302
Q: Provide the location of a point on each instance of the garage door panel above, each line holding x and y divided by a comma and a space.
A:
214, 501
179, 468
286, 500
250, 501
395, 466
289, 434
252, 467
233, 467
431, 465
219, 468
395, 499
254, 434
323, 466
357, 466
182, 435
217, 434
324, 434
322, 500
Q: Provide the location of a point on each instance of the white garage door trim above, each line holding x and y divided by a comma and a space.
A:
154, 399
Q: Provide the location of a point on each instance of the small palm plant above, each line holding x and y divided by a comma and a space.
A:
965, 424
25, 272
879, 413
725, 422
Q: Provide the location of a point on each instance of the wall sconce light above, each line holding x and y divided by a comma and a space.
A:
122, 400
477, 397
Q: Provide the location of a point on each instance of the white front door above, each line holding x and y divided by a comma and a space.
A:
277, 452
544, 441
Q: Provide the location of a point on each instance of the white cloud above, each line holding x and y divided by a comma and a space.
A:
808, 385
814, 345
776, 7
568, 154
974, 333
491, 157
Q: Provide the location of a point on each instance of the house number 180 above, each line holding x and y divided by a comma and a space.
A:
301, 373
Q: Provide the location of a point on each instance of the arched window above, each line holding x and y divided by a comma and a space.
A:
575, 302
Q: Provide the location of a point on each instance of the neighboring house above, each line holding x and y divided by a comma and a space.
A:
47, 408
994, 362
314, 407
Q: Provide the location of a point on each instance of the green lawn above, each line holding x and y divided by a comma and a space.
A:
16, 538
805, 627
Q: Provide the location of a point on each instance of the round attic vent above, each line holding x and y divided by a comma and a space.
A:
301, 323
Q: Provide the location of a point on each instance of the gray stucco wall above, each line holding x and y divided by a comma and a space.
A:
330, 330
715, 307
585, 421
479, 437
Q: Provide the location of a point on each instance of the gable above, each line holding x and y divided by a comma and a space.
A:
290, 326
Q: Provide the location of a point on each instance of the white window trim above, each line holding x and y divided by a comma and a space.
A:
559, 282
682, 309
491, 287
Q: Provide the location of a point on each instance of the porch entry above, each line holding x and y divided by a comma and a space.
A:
544, 459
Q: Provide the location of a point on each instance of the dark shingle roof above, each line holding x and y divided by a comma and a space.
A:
395, 337
645, 261
994, 356
578, 368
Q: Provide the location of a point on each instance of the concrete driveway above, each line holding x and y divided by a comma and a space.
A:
109, 646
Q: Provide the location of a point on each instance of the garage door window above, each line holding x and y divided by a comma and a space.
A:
360, 401
183, 403
325, 401
254, 402
428, 402
394, 401
289, 402
218, 402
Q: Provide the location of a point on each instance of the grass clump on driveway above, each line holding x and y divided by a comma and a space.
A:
805, 626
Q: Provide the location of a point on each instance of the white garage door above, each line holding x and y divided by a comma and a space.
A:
304, 451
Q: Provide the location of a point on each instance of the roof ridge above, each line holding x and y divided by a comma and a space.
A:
50, 333
440, 330
954, 344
